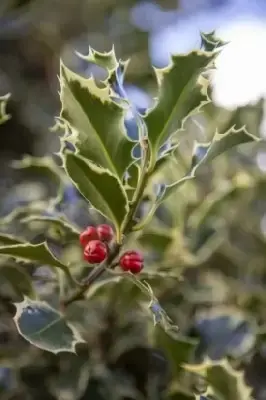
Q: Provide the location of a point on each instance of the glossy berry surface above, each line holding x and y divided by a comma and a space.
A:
105, 232
131, 261
87, 235
95, 252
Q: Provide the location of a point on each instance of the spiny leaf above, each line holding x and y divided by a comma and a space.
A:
105, 60
3, 103
228, 382
207, 152
209, 42
182, 92
18, 278
224, 381
97, 123
203, 153
102, 189
46, 166
45, 327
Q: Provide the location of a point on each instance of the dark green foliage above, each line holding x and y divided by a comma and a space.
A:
182, 329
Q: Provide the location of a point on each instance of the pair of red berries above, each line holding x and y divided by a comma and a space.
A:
95, 241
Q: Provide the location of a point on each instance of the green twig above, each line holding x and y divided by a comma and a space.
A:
126, 228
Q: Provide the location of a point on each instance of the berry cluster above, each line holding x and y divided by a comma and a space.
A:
95, 241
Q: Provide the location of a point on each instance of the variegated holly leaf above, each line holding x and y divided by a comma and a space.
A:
224, 382
44, 327
182, 92
34, 253
96, 122
99, 186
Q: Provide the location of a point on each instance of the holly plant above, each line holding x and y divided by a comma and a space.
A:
129, 172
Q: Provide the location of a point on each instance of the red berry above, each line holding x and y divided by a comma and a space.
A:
89, 234
105, 232
131, 261
95, 252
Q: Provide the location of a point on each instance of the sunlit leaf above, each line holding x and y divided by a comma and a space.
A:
105, 60
96, 122
182, 92
224, 381
205, 153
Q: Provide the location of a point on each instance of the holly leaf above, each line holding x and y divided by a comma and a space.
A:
99, 186
228, 383
105, 60
45, 327
225, 382
36, 253
210, 42
203, 153
182, 92
206, 152
3, 103
96, 122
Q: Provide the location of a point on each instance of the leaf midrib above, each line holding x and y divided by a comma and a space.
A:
166, 126
40, 331
108, 158
87, 163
